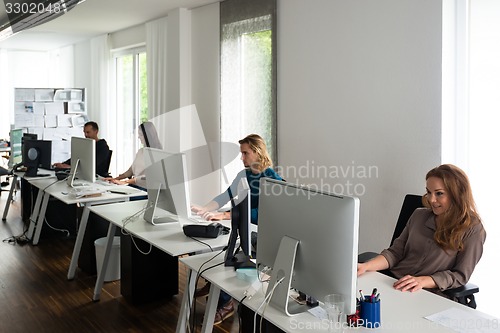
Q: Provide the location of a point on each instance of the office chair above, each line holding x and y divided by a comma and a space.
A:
108, 162
464, 294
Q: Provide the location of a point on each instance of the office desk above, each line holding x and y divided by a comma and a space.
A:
50, 186
169, 237
400, 311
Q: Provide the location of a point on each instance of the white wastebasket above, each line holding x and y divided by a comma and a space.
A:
113, 270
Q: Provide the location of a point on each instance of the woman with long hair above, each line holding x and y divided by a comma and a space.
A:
441, 243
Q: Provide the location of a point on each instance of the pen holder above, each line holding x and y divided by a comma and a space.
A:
370, 313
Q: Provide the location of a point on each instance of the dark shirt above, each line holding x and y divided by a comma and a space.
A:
254, 183
101, 158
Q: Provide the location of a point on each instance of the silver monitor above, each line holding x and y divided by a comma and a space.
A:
310, 239
82, 161
167, 186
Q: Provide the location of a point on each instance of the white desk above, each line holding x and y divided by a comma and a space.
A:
400, 311
50, 186
169, 237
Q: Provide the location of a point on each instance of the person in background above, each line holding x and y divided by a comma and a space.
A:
442, 243
91, 131
258, 164
135, 174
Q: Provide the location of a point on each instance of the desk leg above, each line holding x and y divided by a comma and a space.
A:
211, 309
9, 199
187, 300
41, 218
78, 243
34, 214
102, 272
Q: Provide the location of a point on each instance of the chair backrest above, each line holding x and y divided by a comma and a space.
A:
108, 161
410, 203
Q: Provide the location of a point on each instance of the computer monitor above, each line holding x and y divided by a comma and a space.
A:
167, 186
16, 152
82, 161
36, 153
240, 226
310, 240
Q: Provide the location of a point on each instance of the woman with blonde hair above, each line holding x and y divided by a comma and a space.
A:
258, 164
441, 243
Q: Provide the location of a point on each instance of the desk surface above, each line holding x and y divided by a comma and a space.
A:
400, 311
61, 191
168, 237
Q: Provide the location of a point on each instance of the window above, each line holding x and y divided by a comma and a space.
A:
471, 69
248, 73
131, 105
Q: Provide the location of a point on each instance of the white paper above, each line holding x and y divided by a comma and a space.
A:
79, 120
54, 108
36, 130
23, 107
48, 134
39, 108
39, 120
464, 321
50, 120
76, 107
64, 120
62, 95
22, 120
24, 94
44, 95
76, 95
60, 148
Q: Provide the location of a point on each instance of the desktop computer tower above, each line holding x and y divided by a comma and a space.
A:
146, 277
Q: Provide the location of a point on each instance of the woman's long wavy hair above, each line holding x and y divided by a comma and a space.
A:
461, 215
258, 145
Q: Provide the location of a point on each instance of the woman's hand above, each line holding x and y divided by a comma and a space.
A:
362, 269
117, 181
414, 283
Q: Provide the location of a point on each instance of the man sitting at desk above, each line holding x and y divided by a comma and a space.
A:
91, 130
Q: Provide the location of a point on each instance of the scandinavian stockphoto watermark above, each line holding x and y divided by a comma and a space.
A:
347, 179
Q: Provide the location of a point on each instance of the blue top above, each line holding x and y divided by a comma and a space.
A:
254, 183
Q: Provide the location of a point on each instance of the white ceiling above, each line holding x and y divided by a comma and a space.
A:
92, 18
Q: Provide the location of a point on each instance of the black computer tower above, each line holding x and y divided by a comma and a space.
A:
146, 277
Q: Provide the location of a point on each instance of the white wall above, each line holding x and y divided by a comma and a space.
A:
359, 86
206, 89
20, 69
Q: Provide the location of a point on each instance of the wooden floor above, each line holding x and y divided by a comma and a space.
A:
35, 295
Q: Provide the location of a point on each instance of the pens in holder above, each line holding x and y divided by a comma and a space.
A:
372, 296
362, 295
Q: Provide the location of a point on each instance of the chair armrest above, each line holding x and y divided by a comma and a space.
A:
365, 256
462, 291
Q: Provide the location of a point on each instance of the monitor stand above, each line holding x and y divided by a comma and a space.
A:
282, 275
150, 215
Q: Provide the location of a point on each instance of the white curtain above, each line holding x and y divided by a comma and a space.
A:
100, 94
156, 49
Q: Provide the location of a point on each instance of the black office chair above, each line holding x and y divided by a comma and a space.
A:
464, 294
108, 162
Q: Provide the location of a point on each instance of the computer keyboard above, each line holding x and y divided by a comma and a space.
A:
197, 219
103, 182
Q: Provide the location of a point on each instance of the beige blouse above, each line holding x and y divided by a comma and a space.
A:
416, 253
